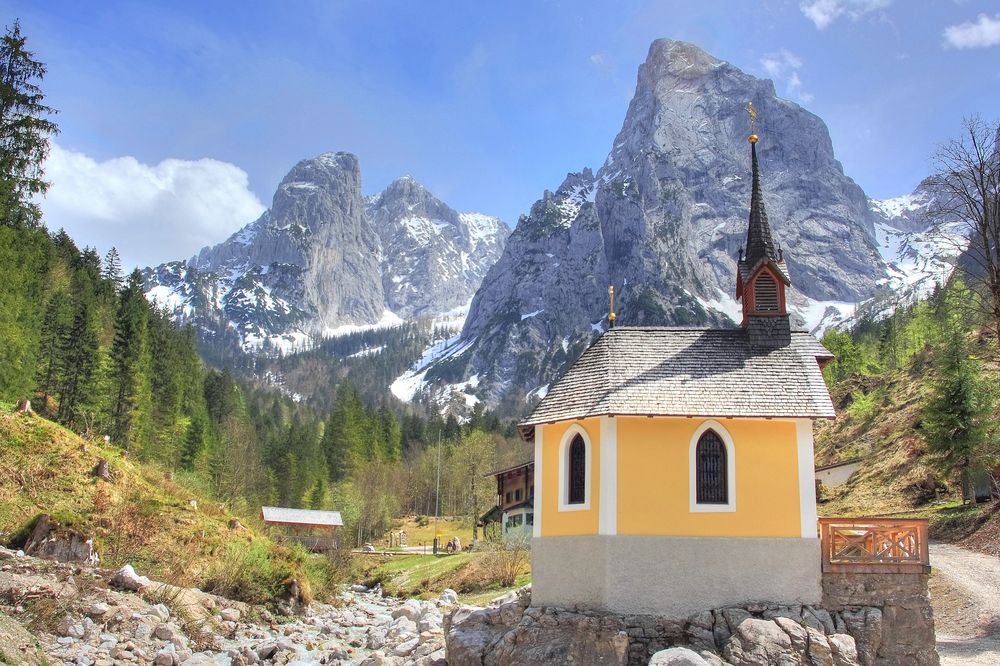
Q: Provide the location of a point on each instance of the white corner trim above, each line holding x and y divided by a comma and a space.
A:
807, 476
727, 440
607, 520
536, 529
568, 436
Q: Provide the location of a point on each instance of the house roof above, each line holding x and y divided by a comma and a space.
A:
689, 372
528, 463
842, 463
277, 515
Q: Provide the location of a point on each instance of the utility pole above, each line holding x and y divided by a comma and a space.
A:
437, 495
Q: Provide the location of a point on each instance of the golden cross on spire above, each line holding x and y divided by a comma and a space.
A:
752, 112
611, 314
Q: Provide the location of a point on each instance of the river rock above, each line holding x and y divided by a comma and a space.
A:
677, 656
127, 579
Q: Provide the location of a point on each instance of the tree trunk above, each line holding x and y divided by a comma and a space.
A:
101, 470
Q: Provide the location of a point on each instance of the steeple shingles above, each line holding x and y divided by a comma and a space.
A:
760, 244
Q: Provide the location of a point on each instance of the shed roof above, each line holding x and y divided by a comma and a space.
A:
514, 468
278, 515
689, 372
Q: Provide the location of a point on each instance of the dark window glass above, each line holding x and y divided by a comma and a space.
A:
517, 495
507, 498
577, 471
711, 470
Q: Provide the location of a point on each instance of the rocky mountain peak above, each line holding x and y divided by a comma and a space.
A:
323, 257
669, 57
662, 220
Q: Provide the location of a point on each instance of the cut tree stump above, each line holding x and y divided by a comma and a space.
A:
101, 470
23, 407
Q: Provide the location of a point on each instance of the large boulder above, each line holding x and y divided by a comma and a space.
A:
677, 656
52, 541
509, 635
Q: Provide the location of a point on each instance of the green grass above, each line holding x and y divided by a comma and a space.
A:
427, 576
142, 518
485, 597
447, 528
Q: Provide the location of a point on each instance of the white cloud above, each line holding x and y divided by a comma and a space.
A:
151, 214
982, 33
824, 12
782, 67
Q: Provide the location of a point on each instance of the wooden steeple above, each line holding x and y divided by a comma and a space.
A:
761, 276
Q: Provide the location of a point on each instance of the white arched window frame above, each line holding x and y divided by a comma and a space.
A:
727, 441
588, 480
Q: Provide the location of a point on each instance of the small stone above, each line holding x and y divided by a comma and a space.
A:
71, 627
166, 657
404, 649
127, 579
160, 611
166, 632
230, 614
97, 609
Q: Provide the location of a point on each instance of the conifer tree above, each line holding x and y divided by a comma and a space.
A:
194, 444
957, 416
112, 269
56, 323
79, 352
24, 131
130, 359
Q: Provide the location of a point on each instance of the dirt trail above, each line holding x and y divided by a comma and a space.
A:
965, 594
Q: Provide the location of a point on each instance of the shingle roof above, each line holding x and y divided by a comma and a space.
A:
689, 372
760, 244
305, 517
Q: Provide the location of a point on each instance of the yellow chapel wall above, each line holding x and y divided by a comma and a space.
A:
654, 479
575, 522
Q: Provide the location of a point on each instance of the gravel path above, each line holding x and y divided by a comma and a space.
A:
965, 594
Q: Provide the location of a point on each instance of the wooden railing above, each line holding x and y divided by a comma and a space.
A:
874, 545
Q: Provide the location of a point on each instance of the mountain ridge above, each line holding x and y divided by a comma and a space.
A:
662, 221
323, 259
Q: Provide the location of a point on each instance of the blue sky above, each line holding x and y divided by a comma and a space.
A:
487, 104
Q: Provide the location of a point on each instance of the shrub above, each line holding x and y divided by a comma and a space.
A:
506, 559
247, 572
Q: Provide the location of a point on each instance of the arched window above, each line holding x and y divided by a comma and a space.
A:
712, 481
765, 293
577, 482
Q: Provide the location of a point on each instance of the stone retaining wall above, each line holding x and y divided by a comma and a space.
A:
907, 618
865, 620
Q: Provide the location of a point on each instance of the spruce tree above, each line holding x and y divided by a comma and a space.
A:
130, 359
194, 443
24, 131
957, 416
79, 352
112, 269
56, 323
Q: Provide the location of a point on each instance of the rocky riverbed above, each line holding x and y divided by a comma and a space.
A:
78, 614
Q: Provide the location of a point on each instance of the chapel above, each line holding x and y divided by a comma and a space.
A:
673, 467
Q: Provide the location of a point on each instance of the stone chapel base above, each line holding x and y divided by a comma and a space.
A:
672, 576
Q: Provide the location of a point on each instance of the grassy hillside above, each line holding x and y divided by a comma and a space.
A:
143, 517
877, 420
886, 376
